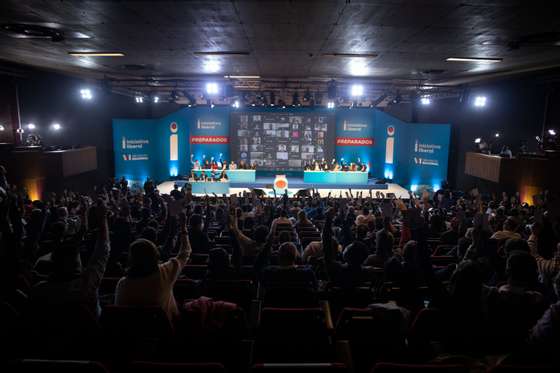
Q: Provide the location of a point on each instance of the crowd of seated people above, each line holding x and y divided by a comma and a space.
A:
118, 276
323, 165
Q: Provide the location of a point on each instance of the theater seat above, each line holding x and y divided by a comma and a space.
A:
135, 321
135, 331
418, 368
303, 368
373, 334
293, 335
146, 366
506, 368
32, 366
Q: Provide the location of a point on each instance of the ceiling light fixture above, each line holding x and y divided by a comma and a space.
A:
96, 54
480, 101
474, 59
222, 53
31, 126
242, 76
211, 66
357, 90
212, 88
86, 94
425, 100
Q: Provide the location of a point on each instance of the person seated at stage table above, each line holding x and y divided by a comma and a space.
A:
343, 166
307, 166
254, 165
362, 167
243, 165
195, 163
324, 165
193, 176
335, 165
316, 166
206, 165
232, 165
224, 176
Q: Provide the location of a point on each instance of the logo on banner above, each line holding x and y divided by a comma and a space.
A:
135, 157
390, 145
354, 141
209, 140
353, 127
426, 161
425, 148
207, 125
173, 142
133, 143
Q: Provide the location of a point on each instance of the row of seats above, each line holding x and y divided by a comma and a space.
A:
62, 366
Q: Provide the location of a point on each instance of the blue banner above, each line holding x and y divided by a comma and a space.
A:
410, 154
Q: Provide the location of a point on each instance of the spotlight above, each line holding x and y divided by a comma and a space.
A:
497, 134
480, 101
86, 94
330, 105
20, 130
552, 132
56, 127
31, 126
477, 140
425, 100
236, 104
357, 90
139, 99
212, 88
156, 99
2, 128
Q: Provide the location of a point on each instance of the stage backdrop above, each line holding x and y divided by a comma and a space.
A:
410, 154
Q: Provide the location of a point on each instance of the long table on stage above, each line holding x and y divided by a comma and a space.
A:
234, 176
335, 177
209, 187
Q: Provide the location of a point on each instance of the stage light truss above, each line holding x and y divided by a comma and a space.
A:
192, 90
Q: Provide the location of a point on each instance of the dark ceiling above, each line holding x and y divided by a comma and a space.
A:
287, 39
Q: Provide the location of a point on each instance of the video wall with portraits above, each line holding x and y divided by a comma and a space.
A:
281, 140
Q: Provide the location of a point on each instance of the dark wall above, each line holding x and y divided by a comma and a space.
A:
515, 109
48, 98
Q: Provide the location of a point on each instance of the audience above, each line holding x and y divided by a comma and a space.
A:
488, 265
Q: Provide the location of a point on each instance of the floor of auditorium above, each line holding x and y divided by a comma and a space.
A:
295, 185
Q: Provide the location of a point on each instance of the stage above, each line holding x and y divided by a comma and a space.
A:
296, 183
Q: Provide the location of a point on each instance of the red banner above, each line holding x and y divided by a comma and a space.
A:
209, 140
354, 141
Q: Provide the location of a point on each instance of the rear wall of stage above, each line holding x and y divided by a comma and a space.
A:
410, 154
